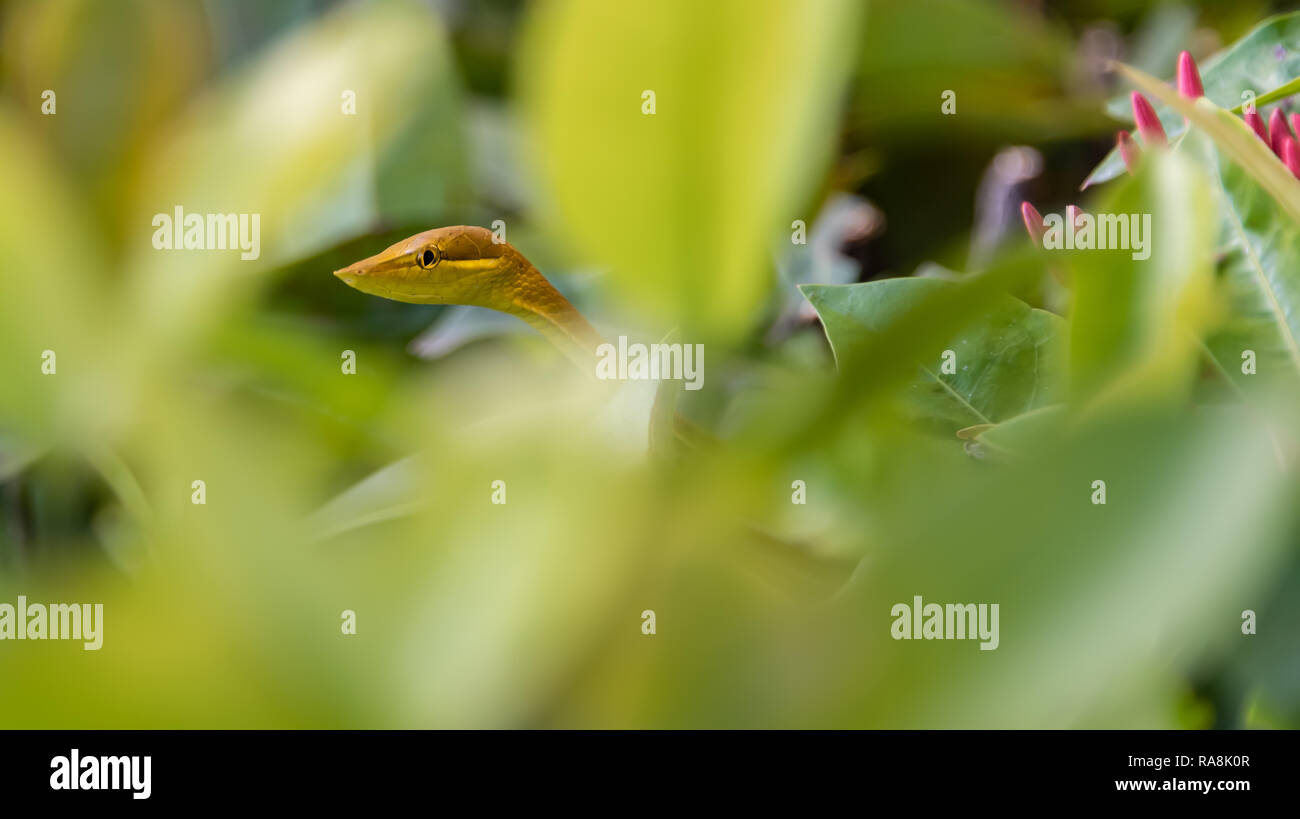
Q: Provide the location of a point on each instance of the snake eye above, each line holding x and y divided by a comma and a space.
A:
428, 257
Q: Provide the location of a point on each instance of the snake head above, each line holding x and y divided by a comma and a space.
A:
450, 265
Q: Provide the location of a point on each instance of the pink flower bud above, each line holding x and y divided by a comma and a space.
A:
1128, 150
1189, 79
1153, 133
1295, 124
1033, 222
1256, 123
1277, 130
1291, 155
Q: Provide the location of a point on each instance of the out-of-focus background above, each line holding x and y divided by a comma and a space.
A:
371, 493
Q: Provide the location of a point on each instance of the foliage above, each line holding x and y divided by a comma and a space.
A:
371, 492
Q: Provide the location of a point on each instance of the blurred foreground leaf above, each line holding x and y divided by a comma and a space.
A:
1099, 604
274, 140
1142, 304
679, 203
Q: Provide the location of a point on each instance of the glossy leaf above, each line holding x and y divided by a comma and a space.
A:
1006, 361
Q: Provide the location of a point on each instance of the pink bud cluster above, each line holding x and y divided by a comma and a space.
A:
1279, 134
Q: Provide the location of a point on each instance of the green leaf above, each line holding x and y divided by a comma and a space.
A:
1260, 275
1101, 605
1006, 359
48, 306
1135, 323
273, 139
1265, 61
680, 203
1259, 208
389, 493
1026, 433
1117, 587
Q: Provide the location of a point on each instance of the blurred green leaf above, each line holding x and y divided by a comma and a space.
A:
1136, 323
274, 140
49, 304
1027, 433
1098, 602
679, 203
120, 72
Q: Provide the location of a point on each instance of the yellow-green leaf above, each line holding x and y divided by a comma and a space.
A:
681, 203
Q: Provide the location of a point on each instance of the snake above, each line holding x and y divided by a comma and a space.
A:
468, 265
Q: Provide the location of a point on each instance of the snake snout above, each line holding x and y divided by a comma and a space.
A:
351, 273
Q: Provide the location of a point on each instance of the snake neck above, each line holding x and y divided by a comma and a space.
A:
535, 300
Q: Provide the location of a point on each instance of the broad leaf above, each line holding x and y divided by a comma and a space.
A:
1005, 361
